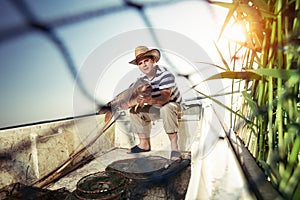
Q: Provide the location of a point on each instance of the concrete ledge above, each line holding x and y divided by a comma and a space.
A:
257, 181
215, 171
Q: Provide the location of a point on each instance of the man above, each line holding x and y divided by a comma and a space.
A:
164, 102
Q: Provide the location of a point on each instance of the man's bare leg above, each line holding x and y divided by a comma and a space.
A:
144, 141
144, 144
175, 155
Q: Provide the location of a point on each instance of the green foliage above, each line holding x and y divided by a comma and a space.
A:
246, 75
271, 68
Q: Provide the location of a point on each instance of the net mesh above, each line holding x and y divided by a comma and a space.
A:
34, 20
108, 185
19, 191
151, 177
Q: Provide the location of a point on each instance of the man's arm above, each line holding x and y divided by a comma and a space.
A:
160, 100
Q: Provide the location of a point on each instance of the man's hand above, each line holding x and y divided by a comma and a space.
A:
143, 100
162, 99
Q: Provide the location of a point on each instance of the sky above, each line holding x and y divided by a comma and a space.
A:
37, 84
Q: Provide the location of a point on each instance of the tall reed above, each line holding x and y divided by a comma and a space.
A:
271, 69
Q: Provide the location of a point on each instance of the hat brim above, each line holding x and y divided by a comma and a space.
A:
153, 52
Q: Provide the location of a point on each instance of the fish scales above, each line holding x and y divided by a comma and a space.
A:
127, 98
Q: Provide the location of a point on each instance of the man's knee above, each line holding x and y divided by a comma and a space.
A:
171, 109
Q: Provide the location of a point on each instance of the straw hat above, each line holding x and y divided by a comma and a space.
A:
142, 52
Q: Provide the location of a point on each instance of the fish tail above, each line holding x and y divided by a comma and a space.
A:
104, 109
108, 116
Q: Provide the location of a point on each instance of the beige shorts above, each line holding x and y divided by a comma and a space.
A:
140, 120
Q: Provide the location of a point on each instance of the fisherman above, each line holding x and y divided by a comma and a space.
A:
164, 102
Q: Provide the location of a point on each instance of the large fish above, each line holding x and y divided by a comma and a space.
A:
127, 99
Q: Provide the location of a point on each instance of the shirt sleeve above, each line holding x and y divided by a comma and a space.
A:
167, 81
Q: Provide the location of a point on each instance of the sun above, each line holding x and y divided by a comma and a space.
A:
235, 32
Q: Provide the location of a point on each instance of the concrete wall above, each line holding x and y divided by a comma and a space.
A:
28, 153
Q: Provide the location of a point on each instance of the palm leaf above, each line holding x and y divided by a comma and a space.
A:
252, 104
271, 45
232, 8
222, 57
218, 66
261, 4
277, 73
247, 75
224, 106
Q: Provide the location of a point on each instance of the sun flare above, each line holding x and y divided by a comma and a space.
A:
235, 32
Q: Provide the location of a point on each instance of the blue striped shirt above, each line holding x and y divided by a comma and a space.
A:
164, 79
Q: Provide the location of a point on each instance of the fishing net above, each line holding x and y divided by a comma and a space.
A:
153, 177
101, 185
19, 191
140, 168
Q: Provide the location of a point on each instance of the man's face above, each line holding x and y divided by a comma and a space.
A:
147, 66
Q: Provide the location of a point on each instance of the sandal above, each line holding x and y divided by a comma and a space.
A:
137, 149
175, 156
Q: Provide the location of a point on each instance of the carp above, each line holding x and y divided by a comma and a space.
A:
127, 98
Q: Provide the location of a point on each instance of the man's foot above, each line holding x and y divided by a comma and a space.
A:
175, 155
137, 149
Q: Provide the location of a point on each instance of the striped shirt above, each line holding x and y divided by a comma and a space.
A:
164, 79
